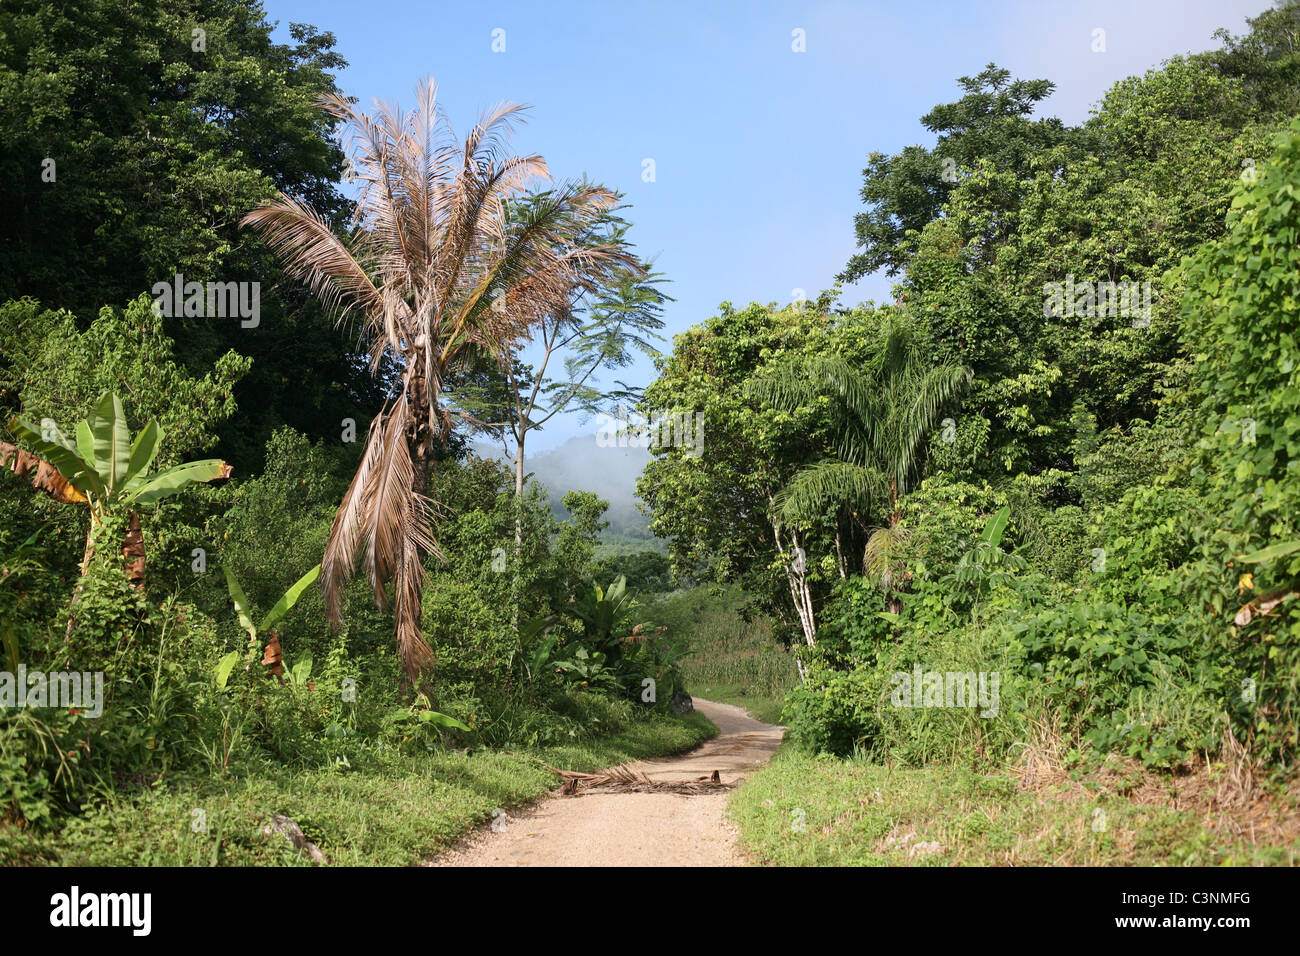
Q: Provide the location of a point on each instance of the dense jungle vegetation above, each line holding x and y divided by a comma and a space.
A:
1062, 462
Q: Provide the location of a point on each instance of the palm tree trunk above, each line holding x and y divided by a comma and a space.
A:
421, 446
895, 604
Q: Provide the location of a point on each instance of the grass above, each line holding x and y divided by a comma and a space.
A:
805, 810
731, 660
766, 709
399, 812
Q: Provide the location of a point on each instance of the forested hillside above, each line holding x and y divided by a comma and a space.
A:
1006, 556
1063, 458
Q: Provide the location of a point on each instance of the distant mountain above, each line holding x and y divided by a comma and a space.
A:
581, 465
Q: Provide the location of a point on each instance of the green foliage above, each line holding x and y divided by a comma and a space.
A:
1240, 314
1125, 678
160, 139
907, 191
730, 650
706, 505
645, 571
880, 417
1107, 517
107, 467
48, 364
470, 633
273, 616
402, 810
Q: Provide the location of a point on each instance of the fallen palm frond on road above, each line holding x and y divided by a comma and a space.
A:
623, 779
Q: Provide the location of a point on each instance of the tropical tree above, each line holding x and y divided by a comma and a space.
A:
906, 191
108, 472
714, 509
437, 275
882, 417
604, 337
596, 330
105, 470
273, 657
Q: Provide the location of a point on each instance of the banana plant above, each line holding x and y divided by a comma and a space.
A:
538, 656
603, 612
103, 468
272, 656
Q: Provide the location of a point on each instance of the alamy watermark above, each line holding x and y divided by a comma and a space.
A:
213, 300
62, 690
129, 910
1085, 300
627, 429
946, 689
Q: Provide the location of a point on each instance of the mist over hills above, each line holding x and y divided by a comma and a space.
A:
579, 464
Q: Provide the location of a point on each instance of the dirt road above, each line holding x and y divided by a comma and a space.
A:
635, 829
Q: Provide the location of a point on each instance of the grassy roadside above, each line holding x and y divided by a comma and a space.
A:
395, 813
733, 657
766, 709
803, 810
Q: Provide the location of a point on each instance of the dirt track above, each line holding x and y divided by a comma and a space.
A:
635, 829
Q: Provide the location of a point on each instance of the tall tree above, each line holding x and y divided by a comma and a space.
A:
597, 330
883, 415
714, 508
436, 273
906, 191
133, 135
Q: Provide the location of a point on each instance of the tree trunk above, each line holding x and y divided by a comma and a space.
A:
800, 593
86, 555
894, 602
133, 556
519, 496
519, 530
133, 551
420, 439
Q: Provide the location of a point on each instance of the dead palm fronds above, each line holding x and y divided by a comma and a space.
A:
444, 261
624, 779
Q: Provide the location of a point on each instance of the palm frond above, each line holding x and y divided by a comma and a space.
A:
881, 554
920, 401
347, 533
826, 487
313, 253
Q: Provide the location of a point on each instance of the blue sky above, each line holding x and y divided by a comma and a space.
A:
758, 149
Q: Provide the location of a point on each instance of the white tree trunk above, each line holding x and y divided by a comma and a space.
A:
797, 574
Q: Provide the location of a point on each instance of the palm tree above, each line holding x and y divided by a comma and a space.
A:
882, 415
437, 272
